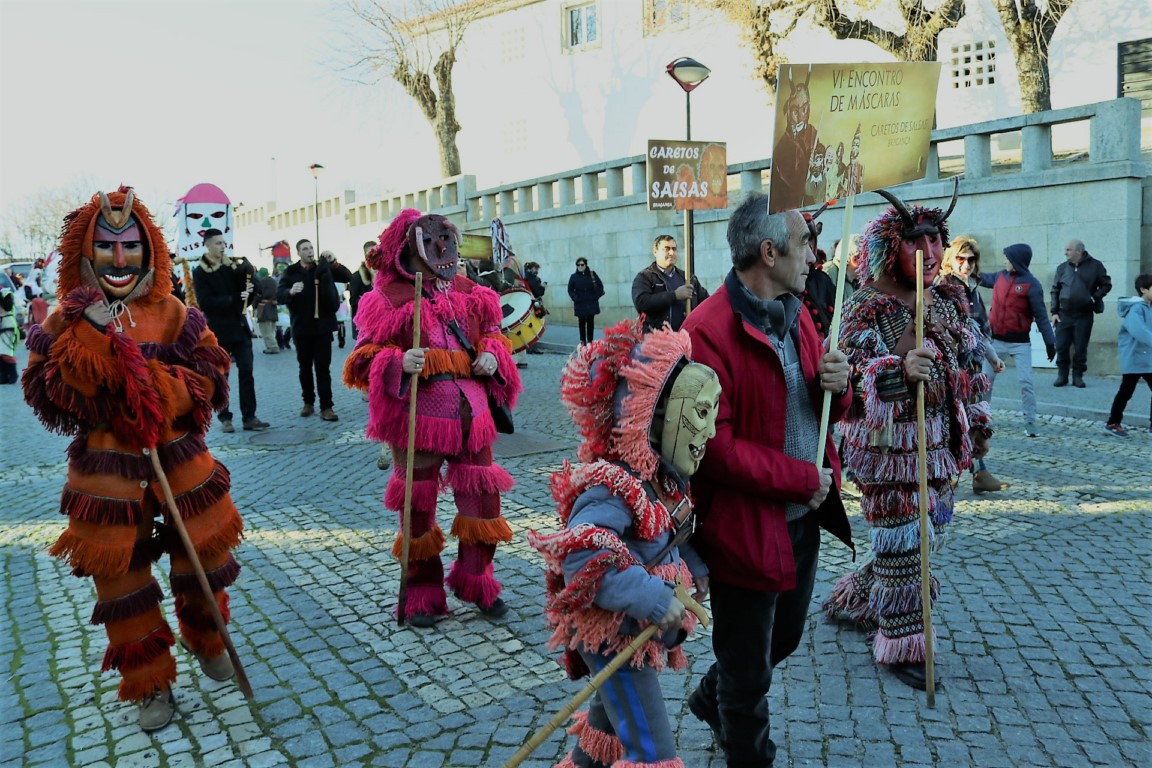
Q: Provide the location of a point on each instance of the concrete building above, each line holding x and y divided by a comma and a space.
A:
559, 98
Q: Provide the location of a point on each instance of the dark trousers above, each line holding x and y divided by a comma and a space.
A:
752, 632
315, 352
241, 351
587, 328
1073, 331
1124, 394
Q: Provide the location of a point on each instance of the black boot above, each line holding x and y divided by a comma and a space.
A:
913, 674
1078, 379
1061, 378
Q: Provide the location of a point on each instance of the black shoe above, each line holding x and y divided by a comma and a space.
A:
535, 351
913, 675
1061, 380
496, 610
421, 620
255, 425
699, 708
1078, 380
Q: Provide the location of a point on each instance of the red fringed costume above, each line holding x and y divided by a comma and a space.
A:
453, 420
151, 377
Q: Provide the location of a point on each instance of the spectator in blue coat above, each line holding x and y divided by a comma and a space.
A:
1135, 345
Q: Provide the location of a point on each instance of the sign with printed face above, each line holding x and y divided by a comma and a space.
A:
843, 129
687, 175
204, 207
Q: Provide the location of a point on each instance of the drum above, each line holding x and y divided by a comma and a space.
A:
523, 323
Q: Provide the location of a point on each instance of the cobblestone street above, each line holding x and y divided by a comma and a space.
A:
1043, 622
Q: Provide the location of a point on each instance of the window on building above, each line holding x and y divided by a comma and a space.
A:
512, 45
581, 27
1135, 71
973, 65
662, 15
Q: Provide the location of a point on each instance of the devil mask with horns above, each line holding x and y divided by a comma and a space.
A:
434, 241
892, 239
112, 244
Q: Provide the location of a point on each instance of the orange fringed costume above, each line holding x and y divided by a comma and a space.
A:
151, 377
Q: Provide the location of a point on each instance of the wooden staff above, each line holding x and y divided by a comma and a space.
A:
601, 677
201, 577
834, 331
406, 519
922, 445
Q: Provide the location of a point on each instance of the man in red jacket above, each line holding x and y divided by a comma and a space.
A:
760, 495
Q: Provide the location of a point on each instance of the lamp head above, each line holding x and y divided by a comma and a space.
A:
316, 169
688, 73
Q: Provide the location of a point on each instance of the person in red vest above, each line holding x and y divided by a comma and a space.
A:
1017, 303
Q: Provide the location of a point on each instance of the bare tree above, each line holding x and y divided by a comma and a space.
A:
415, 43
34, 227
1029, 29
768, 22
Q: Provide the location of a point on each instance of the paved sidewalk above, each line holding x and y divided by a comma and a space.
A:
1042, 626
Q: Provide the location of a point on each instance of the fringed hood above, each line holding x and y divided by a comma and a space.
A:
613, 387
76, 244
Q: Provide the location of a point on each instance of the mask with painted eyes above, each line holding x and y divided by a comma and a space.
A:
690, 417
204, 207
434, 241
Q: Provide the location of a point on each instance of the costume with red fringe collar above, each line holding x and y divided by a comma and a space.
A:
569, 610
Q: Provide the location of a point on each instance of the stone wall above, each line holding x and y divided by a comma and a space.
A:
1099, 194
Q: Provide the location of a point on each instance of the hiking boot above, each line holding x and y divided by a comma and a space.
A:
700, 709
1078, 380
329, 415
255, 425
985, 481
307, 410
218, 668
226, 426
1116, 429
156, 710
1061, 379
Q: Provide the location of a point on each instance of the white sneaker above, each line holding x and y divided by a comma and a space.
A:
1030, 430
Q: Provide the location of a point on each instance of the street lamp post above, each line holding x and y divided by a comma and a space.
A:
688, 73
316, 169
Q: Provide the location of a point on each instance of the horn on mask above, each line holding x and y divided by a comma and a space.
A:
955, 194
898, 204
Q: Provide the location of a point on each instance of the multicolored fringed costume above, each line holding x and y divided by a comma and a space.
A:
453, 421
150, 378
881, 446
611, 570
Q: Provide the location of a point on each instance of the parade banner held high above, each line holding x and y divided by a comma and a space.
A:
843, 129
687, 175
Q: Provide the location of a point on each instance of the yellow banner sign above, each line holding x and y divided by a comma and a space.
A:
687, 175
843, 129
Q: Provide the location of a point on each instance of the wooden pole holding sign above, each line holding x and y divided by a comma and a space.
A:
922, 446
834, 331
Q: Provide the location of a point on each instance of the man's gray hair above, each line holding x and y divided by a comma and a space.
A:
750, 225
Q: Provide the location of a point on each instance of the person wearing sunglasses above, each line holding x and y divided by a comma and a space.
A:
585, 289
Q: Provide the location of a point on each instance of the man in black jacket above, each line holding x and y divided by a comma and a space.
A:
224, 287
660, 291
308, 288
1078, 292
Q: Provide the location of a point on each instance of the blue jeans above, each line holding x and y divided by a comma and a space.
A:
1021, 353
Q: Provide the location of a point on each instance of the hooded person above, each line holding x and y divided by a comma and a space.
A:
645, 413
878, 335
463, 363
126, 369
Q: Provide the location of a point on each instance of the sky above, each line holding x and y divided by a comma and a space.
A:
165, 94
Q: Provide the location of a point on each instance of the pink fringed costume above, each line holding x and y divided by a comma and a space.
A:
453, 421
610, 569
881, 447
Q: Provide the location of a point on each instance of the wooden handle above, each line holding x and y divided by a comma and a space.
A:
406, 520
922, 447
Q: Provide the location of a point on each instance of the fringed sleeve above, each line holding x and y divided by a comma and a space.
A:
505, 386
359, 364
